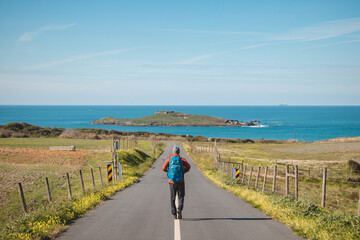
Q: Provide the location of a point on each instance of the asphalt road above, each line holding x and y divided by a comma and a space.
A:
142, 211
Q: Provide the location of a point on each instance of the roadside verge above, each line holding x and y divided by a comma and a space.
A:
303, 217
47, 222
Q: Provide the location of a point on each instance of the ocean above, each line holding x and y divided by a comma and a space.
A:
305, 123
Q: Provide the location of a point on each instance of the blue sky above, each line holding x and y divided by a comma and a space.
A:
180, 52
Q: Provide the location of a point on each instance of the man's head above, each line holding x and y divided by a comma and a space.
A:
176, 150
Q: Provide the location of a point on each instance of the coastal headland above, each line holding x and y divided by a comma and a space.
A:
176, 119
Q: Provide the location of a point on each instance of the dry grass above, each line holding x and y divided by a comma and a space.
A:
29, 165
28, 160
342, 190
341, 140
36, 157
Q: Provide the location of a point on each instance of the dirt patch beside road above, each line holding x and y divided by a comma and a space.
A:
36, 157
29, 165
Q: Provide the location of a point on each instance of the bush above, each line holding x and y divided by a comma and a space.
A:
19, 135
15, 126
5, 133
354, 165
27, 130
72, 133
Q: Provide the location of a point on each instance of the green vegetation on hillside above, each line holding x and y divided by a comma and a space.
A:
170, 118
25, 130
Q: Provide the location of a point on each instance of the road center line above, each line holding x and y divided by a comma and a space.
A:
177, 234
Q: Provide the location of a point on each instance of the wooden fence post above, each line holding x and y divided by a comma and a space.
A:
257, 177
68, 185
359, 205
92, 177
274, 179
215, 154
264, 182
249, 181
22, 198
244, 173
324, 188
296, 182
48, 189
101, 176
82, 182
287, 180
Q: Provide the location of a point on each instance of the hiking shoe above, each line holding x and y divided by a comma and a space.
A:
175, 215
179, 215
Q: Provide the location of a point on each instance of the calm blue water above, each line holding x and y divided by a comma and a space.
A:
309, 123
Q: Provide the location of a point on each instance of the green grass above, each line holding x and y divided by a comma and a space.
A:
303, 216
171, 118
342, 196
45, 143
97, 153
294, 151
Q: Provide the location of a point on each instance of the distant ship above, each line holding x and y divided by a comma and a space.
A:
283, 104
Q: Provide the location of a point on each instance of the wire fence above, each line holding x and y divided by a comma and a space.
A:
43, 188
332, 188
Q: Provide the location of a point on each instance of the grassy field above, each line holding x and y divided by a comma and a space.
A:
305, 216
173, 118
45, 143
29, 161
343, 183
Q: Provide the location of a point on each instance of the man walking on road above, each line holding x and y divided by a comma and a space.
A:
176, 166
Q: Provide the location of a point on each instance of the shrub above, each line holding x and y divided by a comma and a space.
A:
354, 165
15, 126
18, 135
5, 133
72, 133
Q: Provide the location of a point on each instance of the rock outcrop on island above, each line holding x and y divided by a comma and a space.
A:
176, 119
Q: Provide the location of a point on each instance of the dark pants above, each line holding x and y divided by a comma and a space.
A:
179, 189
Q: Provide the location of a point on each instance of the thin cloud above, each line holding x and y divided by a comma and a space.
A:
331, 44
210, 55
80, 57
219, 32
322, 30
198, 58
29, 36
254, 46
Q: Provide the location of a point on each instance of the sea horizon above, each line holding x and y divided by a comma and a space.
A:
304, 123
185, 105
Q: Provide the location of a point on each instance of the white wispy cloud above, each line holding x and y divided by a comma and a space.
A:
198, 58
210, 55
331, 44
218, 32
78, 58
322, 30
29, 36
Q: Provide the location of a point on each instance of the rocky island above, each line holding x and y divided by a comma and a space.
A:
176, 119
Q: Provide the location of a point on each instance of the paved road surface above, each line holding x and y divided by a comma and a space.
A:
142, 211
